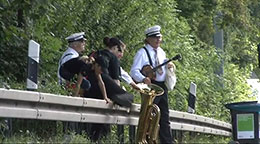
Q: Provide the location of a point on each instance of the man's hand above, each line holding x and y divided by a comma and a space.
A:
147, 80
171, 65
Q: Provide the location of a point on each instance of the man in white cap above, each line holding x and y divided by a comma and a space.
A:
152, 54
70, 64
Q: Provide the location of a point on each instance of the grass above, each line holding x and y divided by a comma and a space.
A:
33, 137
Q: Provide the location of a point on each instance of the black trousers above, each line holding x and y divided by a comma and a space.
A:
98, 131
162, 102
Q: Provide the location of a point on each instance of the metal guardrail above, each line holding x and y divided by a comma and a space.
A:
45, 106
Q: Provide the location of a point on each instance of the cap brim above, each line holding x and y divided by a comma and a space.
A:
158, 35
155, 35
73, 40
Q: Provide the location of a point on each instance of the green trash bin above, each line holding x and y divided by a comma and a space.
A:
245, 121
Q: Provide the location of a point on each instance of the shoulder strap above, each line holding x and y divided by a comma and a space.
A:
67, 55
150, 60
64, 57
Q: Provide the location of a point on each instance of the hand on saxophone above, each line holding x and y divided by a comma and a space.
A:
134, 86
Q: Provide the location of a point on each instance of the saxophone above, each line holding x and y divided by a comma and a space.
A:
148, 124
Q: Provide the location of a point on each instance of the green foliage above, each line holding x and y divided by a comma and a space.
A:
239, 54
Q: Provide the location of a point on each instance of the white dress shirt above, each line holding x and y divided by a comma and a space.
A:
141, 59
69, 54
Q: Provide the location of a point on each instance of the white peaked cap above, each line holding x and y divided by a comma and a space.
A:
153, 31
76, 37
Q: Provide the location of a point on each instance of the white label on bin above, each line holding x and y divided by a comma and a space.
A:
245, 126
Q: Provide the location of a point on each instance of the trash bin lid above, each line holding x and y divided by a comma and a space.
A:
248, 106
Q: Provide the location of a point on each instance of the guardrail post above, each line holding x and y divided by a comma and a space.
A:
33, 62
177, 136
120, 133
180, 136
132, 134
174, 135
191, 102
192, 98
7, 131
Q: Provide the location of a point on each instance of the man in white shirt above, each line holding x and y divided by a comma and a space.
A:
70, 65
152, 54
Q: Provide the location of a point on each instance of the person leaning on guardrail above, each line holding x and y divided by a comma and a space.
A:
69, 69
123, 74
97, 91
92, 72
110, 76
70, 63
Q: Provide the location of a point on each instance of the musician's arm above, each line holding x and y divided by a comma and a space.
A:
138, 63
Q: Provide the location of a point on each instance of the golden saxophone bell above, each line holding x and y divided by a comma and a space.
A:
148, 124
